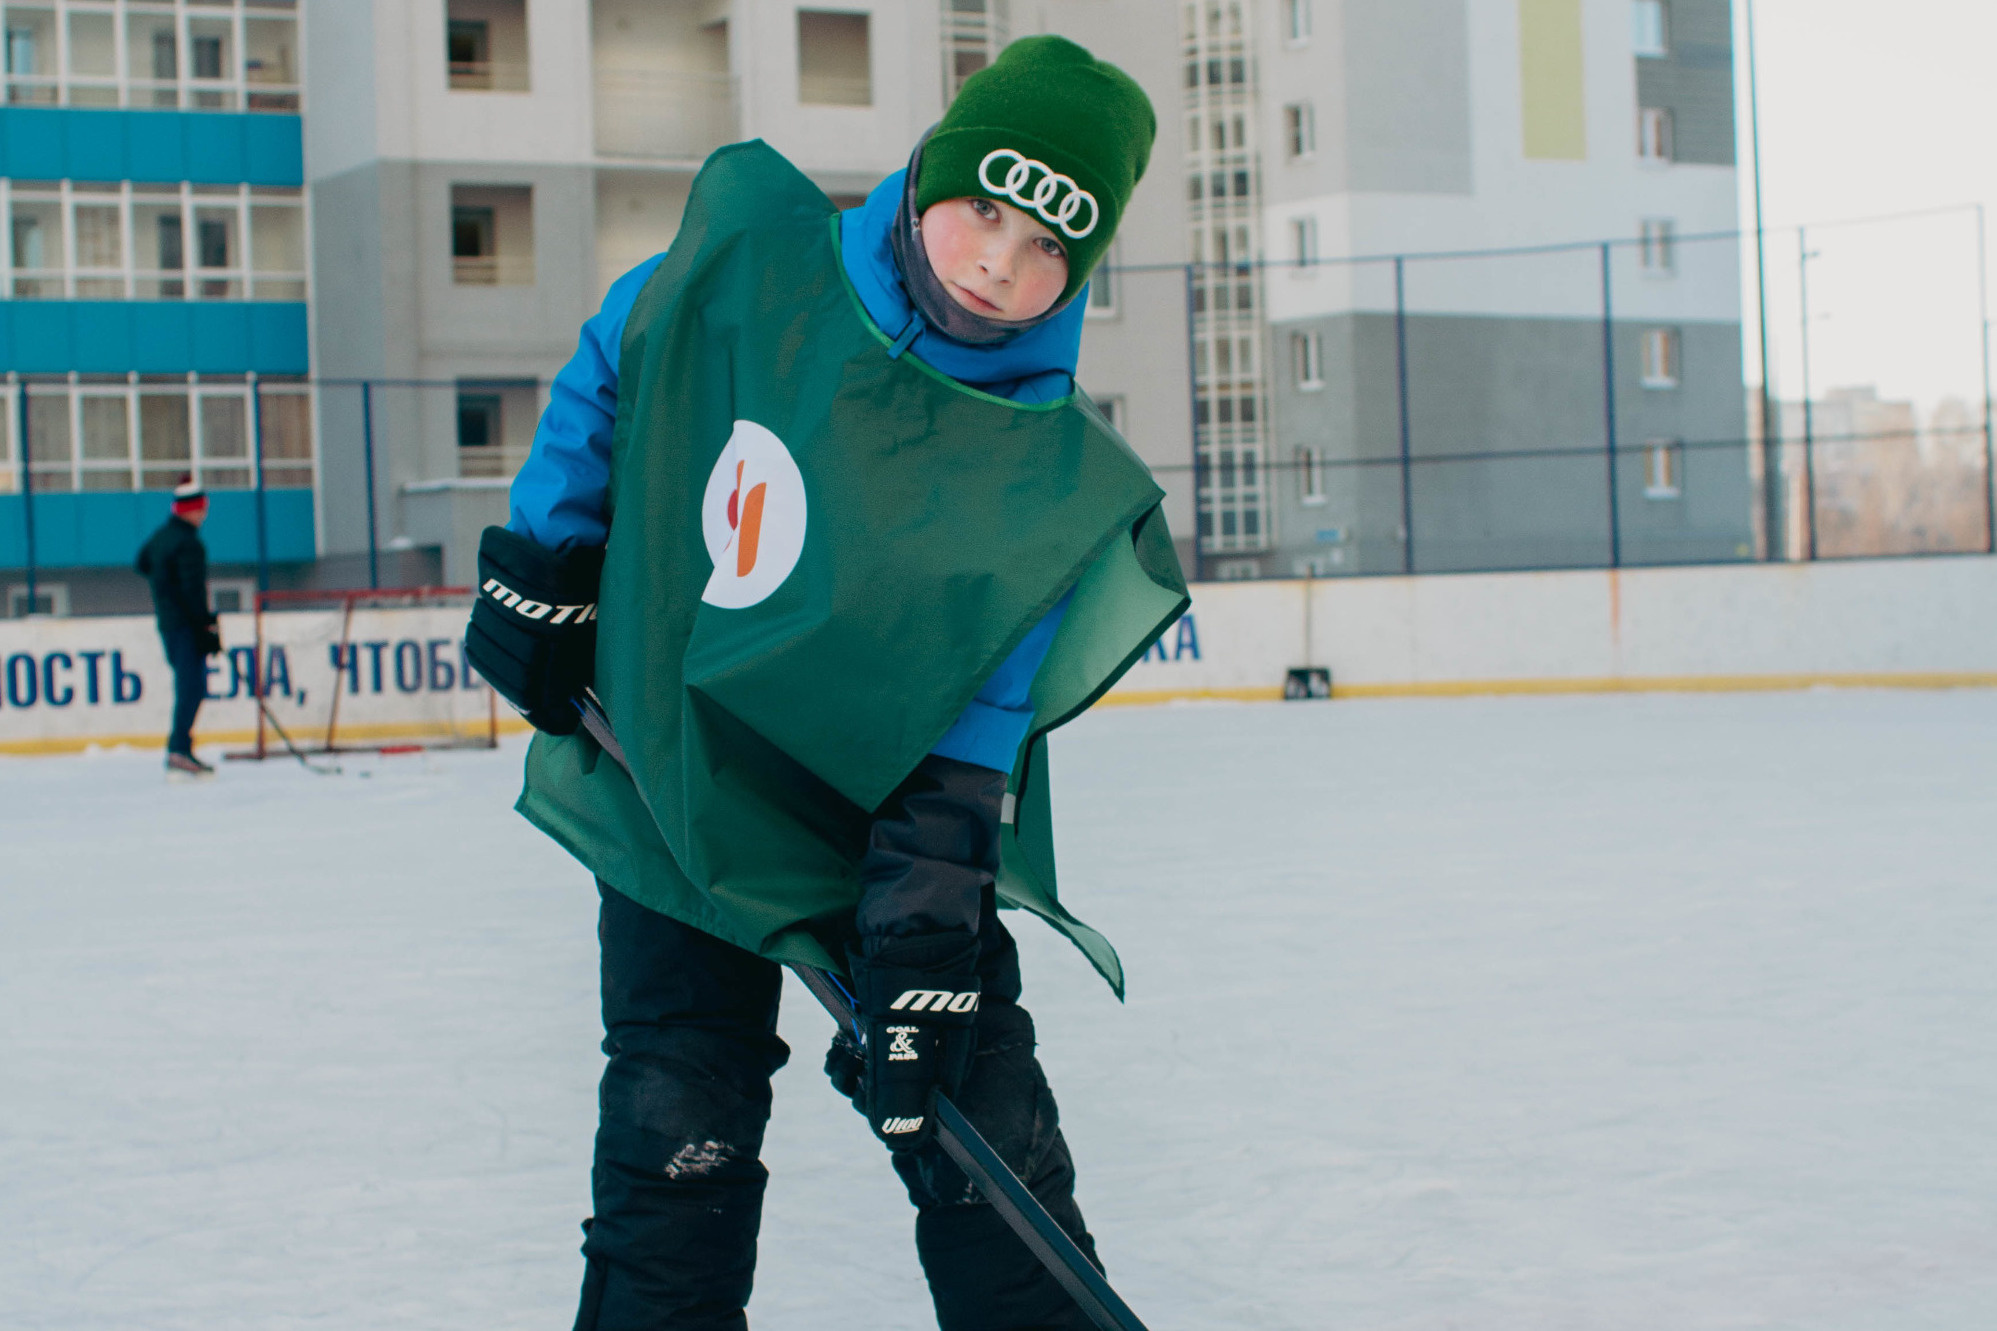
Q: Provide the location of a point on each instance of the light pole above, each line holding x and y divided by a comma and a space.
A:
1804, 255
1989, 444
1771, 453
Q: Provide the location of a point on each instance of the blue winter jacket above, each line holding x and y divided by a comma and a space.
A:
558, 497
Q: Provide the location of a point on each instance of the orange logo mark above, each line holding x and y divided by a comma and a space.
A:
745, 518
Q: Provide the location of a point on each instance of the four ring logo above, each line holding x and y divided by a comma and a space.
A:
1050, 184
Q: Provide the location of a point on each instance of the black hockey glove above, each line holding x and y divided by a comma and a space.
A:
211, 641
533, 627
918, 1006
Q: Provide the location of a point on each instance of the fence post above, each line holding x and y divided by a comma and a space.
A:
1193, 422
263, 520
1803, 257
1609, 406
367, 453
1989, 451
1401, 378
27, 491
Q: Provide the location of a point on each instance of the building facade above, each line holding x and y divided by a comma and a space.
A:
454, 184
157, 290
1498, 244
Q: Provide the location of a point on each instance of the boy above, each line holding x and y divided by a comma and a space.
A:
868, 546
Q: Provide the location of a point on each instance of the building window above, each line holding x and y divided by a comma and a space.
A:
974, 32
1662, 469
834, 59
1660, 358
1307, 354
1653, 37
1296, 21
1299, 130
495, 426
79, 240
1103, 286
51, 598
1310, 476
108, 434
485, 45
492, 235
1653, 134
479, 420
1112, 409
1303, 240
223, 55
1657, 244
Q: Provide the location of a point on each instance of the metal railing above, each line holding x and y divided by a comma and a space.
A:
493, 270
489, 76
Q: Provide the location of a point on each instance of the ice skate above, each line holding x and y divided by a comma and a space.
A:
186, 767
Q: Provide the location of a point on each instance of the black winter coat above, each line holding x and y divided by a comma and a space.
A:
176, 563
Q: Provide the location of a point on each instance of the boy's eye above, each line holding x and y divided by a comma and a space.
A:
984, 208
1052, 248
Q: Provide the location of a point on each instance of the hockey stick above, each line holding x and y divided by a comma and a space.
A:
331, 769
960, 1140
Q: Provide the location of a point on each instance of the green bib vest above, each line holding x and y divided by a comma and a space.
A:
818, 553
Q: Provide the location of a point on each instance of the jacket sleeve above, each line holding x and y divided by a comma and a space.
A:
992, 726
933, 847
187, 584
560, 496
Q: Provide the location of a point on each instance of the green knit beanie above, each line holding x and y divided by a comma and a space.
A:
1044, 110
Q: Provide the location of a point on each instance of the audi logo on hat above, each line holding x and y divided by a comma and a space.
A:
1051, 185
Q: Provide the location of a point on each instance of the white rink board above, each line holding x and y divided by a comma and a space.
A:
1906, 622
1929, 622
69, 683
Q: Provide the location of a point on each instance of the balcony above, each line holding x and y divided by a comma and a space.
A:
493, 270
664, 115
489, 76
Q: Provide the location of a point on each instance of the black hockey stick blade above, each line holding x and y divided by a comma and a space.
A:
960, 1139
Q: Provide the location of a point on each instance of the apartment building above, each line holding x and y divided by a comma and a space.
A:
154, 292
475, 173
1457, 412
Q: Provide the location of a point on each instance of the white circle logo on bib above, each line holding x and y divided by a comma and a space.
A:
752, 517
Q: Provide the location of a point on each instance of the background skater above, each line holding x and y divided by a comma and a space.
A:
175, 562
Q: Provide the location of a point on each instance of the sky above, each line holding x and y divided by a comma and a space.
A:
1869, 109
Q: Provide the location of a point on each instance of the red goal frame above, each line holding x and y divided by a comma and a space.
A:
273, 742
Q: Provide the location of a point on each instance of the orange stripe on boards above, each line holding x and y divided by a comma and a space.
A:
752, 530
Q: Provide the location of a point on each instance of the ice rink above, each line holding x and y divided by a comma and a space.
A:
1653, 1013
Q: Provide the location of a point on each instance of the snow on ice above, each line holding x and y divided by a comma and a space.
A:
1613, 1013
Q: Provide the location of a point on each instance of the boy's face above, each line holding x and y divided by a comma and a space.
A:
994, 259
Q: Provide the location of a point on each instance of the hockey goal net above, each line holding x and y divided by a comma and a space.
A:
380, 670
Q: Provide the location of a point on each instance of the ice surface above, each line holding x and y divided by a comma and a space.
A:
1516, 1015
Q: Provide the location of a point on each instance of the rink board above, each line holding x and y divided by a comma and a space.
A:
66, 684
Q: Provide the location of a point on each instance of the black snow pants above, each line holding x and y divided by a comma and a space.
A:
690, 1031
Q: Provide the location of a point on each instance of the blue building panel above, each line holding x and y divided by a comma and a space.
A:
106, 530
153, 337
153, 147
273, 150
38, 335
32, 145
